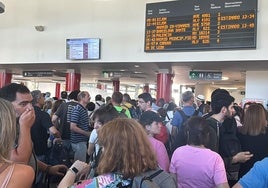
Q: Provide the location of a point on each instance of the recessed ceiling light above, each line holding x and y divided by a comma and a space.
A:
137, 66
137, 72
224, 78
122, 70
229, 88
17, 76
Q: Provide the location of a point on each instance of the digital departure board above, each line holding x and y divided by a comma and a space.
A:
200, 25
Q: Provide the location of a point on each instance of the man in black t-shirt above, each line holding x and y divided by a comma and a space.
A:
63, 116
42, 125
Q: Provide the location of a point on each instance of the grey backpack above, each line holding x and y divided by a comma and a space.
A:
154, 179
150, 179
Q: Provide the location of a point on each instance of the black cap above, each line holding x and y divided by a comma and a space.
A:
64, 94
148, 117
73, 95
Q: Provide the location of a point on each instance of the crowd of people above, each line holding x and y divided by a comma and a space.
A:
119, 142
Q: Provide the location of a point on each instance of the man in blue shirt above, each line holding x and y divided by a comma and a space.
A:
188, 109
256, 177
178, 137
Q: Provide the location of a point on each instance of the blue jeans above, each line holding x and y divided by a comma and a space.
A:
80, 151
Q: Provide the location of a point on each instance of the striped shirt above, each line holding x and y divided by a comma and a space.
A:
79, 116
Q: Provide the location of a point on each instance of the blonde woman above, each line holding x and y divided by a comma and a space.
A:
11, 174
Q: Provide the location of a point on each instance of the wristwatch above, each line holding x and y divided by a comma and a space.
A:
74, 170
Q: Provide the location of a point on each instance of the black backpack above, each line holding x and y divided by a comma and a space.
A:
60, 154
229, 144
133, 112
179, 137
122, 113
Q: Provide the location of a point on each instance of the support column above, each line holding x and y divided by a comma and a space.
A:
5, 78
146, 88
116, 84
72, 81
164, 86
57, 90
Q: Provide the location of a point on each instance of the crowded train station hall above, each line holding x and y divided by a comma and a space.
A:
133, 94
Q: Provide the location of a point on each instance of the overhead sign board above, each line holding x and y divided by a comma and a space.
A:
203, 75
200, 25
115, 74
37, 73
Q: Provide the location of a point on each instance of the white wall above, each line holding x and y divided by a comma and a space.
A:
207, 89
237, 95
204, 89
119, 23
256, 84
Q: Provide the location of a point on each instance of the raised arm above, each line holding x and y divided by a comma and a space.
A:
23, 150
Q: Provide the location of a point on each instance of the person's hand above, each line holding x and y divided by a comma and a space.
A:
242, 157
84, 173
79, 165
27, 118
72, 173
57, 134
58, 170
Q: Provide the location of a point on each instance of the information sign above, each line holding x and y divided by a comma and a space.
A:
200, 25
202, 75
37, 73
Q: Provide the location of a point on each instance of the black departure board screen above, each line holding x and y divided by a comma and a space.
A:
200, 25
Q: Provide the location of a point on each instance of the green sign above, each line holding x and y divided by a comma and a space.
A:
202, 75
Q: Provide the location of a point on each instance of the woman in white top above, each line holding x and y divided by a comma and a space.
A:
101, 116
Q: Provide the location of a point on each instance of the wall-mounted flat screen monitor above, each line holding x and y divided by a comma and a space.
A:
83, 48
